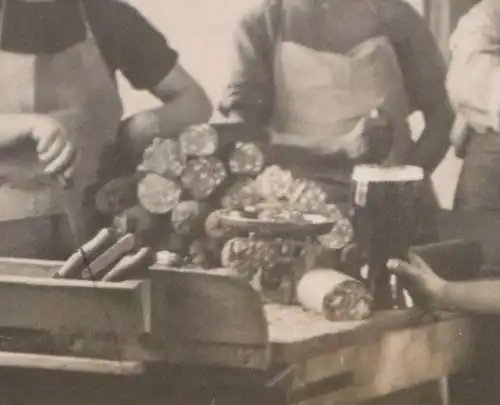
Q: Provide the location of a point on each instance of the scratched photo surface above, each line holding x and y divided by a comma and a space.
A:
202, 31
310, 360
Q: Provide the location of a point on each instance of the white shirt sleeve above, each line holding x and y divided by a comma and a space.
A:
473, 80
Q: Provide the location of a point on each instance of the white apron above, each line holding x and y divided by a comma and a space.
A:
75, 87
321, 96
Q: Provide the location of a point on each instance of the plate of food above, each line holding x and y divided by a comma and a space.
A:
276, 220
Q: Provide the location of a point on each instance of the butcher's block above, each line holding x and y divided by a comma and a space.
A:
209, 335
175, 316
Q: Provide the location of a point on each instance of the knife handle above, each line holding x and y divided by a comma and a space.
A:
107, 259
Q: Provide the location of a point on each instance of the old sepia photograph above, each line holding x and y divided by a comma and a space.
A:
249, 202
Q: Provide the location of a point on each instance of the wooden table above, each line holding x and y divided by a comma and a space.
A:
315, 362
343, 363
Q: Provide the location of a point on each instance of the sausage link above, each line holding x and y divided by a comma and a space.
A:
111, 256
74, 266
129, 264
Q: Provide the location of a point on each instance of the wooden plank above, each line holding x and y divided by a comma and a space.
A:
63, 305
177, 316
28, 267
70, 364
296, 334
213, 308
338, 362
200, 353
219, 318
75, 317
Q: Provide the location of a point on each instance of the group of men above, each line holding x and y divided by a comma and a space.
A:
334, 81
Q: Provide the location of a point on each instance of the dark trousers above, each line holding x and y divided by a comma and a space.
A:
479, 183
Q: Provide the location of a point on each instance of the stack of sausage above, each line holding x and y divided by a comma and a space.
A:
175, 198
109, 257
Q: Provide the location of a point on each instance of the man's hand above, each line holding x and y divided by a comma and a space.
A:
54, 149
371, 139
421, 276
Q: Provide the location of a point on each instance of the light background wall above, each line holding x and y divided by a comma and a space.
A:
201, 31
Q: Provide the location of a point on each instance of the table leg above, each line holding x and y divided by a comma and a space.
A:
249, 397
444, 391
432, 393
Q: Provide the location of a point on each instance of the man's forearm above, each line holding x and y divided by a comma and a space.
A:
15, 127
167, 121
479, 297
433, 144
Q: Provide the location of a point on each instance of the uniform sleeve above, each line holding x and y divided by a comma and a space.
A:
250, 87
144, 56
473, 80
421, 60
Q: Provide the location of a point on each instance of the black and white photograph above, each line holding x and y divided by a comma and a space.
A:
249, 202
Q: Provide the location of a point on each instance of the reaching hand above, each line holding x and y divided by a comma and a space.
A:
54, 149
370, 140
420, 275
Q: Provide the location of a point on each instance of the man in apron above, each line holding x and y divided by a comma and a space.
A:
474, 89
314, 71
58, 59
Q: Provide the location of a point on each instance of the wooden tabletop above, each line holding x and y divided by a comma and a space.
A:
294, 332
352, 362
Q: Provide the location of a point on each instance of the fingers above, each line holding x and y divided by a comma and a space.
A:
63, 163
417, 268
54, 149
45, 138
400, 267
70, 171
418, 261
